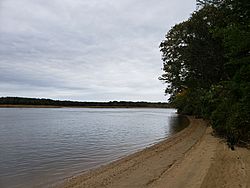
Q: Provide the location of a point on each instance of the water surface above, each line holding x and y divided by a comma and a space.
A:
41, 146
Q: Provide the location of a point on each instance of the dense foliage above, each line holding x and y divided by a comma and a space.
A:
5, 101
207, 66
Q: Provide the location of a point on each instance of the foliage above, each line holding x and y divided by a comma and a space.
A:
207, 66
5, 101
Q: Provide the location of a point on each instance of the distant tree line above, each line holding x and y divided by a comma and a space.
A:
207, 66
50, 102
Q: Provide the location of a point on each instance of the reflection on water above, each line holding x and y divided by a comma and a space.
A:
177, 123
40, 147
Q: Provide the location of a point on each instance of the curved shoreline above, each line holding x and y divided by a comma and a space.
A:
191, 158
108, 174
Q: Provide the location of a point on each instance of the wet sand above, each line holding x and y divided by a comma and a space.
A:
191, 158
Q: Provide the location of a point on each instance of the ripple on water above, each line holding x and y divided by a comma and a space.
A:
43, 146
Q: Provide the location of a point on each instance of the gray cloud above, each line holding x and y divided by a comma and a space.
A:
94, 50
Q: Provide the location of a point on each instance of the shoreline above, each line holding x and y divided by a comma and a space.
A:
100, 176
51, 106
187, 159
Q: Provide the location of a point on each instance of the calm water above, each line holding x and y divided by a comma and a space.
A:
41, 146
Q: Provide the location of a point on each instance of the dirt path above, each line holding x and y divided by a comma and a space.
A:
191, 158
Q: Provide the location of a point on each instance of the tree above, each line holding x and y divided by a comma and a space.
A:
193, 57
206, 64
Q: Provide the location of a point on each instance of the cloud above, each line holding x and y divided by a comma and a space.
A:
85, 49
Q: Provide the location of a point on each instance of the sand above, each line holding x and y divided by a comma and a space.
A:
191, 158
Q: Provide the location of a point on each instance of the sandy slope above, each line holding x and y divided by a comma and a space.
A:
229, 168
191, 158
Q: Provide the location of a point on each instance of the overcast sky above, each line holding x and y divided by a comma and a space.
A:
89, 50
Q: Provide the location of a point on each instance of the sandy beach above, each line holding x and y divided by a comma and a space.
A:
192, 158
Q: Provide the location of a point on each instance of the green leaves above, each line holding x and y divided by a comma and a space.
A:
192, 57
207, 66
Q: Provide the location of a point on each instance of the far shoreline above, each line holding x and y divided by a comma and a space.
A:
51, 106
21, 102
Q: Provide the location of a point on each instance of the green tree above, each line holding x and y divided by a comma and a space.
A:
207, 66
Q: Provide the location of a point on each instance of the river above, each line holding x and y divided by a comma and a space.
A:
42, 146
